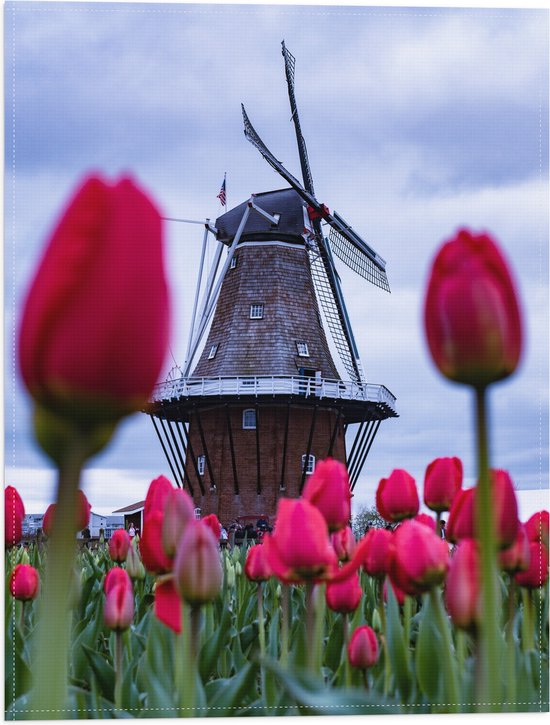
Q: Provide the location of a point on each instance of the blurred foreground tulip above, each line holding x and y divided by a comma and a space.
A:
363, 648
443, 479
516, 557
537, 573
397, 497
198, 574
24, 582
420, 558
471, 312
462, 588
119, 544
212, 522
536, 527
151, 548
425, 520
299, 550
328, 489
83, 510
168, 604
14, 513
94, 331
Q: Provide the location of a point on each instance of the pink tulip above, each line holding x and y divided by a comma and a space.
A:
363, 648
151, 549
118, 612
420, 558
298, 550
115, 577
198, 574
178, 511
426, 520
397, 497
257, 567
119, 544
14, 513
537, 573
343, 542
329, 490
378, 552
344, 596
516, 557
83, 511
24, 582
462, 589
471, 313
94, 330
212, 522
158, 492
442, 481
168, 604
537, 527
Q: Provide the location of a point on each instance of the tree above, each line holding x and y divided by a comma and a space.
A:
368, 518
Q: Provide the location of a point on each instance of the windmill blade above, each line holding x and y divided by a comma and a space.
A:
357, 261
290, 65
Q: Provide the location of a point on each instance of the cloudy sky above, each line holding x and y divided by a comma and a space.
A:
418, 121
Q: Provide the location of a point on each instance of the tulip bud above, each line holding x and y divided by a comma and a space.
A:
343, 542
363, 648
134, 566
158, 492
425, 520
442, 481
460, 524
24, 582
462, 589
397, 497
151, 549
299, 550
238, 568
178, 511
378, 552
376, 621
119, 544
516, 557
537, 573
230, 577
329, 490
14, 513
256, 567
91, 341
198, 574
420, 558
83, 510
471, 313
213, 524
118, 611
344, 596
536, 527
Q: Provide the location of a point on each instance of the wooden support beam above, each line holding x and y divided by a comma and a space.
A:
204, 447
334, 432
194, 458
258, 471
232, 449
179, 449
180, 427
167, 435
308, 452
285, 443
163, 447
364, 458
361, 447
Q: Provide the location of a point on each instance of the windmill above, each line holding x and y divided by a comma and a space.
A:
265, 400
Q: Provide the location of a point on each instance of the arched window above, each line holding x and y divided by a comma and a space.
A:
310, 463
249, 419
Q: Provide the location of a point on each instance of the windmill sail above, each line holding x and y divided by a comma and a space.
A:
357, 261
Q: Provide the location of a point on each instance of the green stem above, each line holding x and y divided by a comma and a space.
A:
261, 622
449, 672
511, 644
438, 523
460, 650
347, 670
489, 686
382, 610
285, 619
310, 628
51, 672
22, 619
528, 621
119, 652
407, 621
187, 683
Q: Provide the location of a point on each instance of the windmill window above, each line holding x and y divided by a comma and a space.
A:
249, 419
310, 463
233, 262
256, 312
201, 460
197, 513
303, 350
213, 351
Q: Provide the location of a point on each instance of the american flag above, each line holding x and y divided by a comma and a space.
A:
221, 195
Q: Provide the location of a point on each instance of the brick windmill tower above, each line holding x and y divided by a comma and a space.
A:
264, 401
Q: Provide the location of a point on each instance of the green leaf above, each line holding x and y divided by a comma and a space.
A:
209, 654
103, 671
238, 688
428, 647
397, 651
335, 643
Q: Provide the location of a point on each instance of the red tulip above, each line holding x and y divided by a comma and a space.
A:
426, 520
442, 481
158, 492
420, 558
151, 549
516, 557
343, 542
119, 544
328, 489
168, 604
344, 596
397, 497
537, 574
399, 594
460, 524
537, 527
212, 522
115, 577
179, 510
299, 548
198, 574
83, 510
118, 611
378, 552
256, 567
472, 317
363, 648
14, 513
24, 582
462, 588
94, 331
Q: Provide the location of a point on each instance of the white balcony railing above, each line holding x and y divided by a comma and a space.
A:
274, 385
